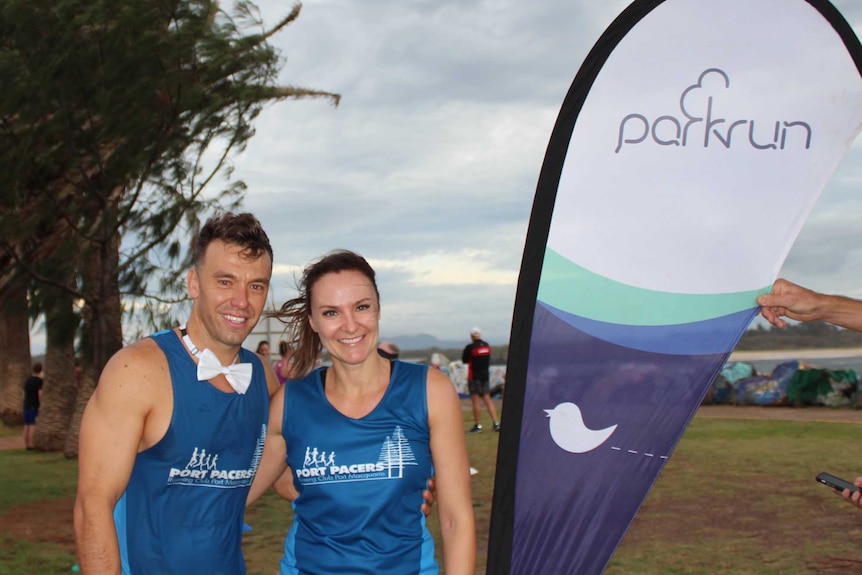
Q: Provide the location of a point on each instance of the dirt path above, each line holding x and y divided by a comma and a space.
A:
820, 414
12, 442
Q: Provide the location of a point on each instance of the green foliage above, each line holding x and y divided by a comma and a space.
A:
115, 116
809, 335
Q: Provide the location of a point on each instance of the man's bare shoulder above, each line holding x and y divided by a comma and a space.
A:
139, 368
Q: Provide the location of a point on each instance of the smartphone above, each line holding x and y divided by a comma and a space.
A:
836, 482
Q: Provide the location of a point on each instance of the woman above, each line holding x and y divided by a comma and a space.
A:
363, 435
263, 351
283, 367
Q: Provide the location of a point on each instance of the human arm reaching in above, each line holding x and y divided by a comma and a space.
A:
801, 304
852, 497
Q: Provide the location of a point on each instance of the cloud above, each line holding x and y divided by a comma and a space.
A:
429, 165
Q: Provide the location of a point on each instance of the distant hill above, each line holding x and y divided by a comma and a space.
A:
420, 347
423, 341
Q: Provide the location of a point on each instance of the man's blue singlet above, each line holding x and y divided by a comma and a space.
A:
183, 508
360, 481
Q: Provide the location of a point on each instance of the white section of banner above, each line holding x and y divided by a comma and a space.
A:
704, 143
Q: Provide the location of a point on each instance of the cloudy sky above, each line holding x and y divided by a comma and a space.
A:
429, 165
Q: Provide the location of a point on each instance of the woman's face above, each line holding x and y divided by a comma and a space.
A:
345, 313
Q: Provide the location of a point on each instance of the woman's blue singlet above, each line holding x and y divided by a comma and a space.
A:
360, 480
183, 508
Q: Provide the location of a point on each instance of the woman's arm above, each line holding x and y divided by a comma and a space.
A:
451, 475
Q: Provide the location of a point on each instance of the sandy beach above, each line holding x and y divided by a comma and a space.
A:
800, 354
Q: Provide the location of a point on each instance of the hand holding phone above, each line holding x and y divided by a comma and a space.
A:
836, 482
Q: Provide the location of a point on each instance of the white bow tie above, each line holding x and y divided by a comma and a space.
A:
238, 375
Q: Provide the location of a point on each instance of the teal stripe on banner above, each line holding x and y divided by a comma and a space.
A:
569, 287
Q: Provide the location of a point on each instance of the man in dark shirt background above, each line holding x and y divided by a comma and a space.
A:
477, 357
32, 398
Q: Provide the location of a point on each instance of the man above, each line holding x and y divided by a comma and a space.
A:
477, 357
32, 399
798, 303
170, 439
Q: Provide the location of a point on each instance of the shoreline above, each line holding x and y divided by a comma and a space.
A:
801, 354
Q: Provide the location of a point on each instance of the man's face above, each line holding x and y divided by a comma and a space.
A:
229, 292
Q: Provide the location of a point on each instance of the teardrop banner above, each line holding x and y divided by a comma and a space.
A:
688, 152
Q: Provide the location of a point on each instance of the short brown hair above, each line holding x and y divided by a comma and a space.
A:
243, 230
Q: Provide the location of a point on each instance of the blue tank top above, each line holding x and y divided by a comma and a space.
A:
182, 511
360, 481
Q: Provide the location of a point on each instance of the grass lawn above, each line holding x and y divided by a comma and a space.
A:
737, 497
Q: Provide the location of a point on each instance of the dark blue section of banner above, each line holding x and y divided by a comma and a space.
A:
558, 511
602, 489
718, 335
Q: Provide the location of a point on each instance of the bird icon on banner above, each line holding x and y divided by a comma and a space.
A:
569, 431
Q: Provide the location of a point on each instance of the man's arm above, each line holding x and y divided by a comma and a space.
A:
112, 431
272, 463
796, 302
272, 384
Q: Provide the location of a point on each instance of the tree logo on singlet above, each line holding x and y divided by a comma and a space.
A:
202, 468
320, 466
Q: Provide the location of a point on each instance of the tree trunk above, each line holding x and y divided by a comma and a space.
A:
89, 377
61, 387
14, 354
102, 334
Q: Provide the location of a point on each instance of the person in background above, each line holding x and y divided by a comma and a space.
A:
363, 436
171, 438
263, 351
388, 350
32, 400
477, 358
787, 299
283, 367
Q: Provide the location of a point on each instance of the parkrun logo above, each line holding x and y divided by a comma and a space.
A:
203, 469
698, 115
320, 467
